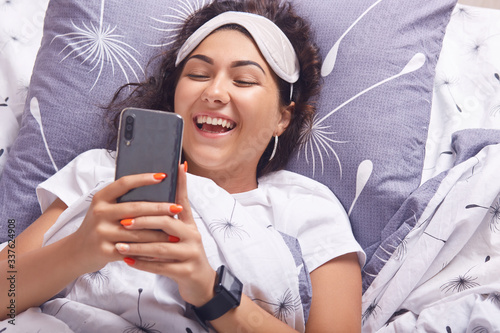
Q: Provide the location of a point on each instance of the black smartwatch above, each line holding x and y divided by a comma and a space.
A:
227, 290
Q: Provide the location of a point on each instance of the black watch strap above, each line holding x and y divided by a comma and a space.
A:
214, 309
228, 291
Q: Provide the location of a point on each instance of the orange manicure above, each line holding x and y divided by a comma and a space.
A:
185, 166
127, 222
175, 209
160, 176
129, 261
173, 239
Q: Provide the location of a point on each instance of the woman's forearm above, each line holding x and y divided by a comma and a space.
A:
336, 303
249, 317
37, 276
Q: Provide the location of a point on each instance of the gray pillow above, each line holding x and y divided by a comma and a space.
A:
367, 143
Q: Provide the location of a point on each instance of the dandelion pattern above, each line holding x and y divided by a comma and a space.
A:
6, 3
99, 278
459, 284
141, 327
60, 308
396, 314
494, 298
170, 23
315, 137
98, 45
370, 311
475, 47
90, 197
448, 272
494, 210
37, 115
447, 84
228, 227
284, 305
495, 110
464, 13
401, 250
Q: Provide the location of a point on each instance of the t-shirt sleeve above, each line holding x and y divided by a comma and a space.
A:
75, 179
323, 228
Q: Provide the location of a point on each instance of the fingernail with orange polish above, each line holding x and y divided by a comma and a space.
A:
175, 209
160, 176
185, 166
173, 239
127, 222
129, 261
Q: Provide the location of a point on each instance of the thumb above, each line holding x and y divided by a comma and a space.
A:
182, 195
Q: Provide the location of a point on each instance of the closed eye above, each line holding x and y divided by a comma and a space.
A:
197, 76
245, 83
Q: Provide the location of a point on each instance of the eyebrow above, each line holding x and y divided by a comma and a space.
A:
234, 64
202, 58
241, 63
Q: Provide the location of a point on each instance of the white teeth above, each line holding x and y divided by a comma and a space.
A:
214, 121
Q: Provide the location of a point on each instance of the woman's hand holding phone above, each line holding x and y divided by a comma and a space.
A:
182, 258
101, 228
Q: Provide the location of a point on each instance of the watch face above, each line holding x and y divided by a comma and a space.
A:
231, 284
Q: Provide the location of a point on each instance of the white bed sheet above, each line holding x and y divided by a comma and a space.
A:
21, 24
467, 84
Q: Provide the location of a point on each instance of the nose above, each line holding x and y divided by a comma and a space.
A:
216, 92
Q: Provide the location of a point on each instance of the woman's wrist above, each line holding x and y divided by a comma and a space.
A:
227, 293
206, 290
79, 258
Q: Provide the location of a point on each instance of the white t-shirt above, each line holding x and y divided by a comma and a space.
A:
306, 210
294, 204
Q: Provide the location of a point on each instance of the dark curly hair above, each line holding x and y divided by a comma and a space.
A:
157, 92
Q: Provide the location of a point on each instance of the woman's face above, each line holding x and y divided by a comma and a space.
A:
228, 97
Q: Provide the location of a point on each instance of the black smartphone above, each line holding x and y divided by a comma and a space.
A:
149, 141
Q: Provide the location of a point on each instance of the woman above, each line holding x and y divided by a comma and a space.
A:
239, 86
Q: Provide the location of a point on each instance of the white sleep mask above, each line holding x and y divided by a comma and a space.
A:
272, 42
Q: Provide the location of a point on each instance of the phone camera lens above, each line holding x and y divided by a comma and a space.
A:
129, 127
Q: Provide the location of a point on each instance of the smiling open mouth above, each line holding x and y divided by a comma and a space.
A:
214, 125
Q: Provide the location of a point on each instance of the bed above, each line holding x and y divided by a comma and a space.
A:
407, 133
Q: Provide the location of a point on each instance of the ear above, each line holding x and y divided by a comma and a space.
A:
286, 116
